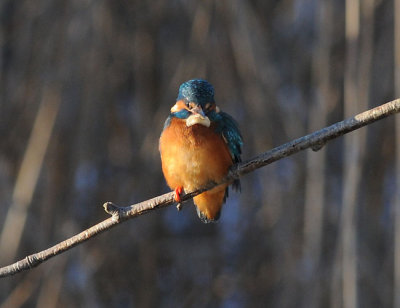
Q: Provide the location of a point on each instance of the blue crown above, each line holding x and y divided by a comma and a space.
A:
197, 91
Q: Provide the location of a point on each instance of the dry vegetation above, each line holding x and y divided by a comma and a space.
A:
85, 87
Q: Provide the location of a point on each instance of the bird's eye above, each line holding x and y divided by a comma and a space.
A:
191, 105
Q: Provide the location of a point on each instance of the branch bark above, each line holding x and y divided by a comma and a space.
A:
118, 214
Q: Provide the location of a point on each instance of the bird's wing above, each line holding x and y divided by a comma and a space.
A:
228, 127
230, 132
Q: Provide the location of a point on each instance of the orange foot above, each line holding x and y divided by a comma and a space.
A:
178, 192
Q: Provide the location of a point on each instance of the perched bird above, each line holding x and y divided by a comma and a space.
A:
198, 145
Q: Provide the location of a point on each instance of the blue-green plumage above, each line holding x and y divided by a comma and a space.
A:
228, 127
182, 114
196, 90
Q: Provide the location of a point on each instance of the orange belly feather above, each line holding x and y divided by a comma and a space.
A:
192, 157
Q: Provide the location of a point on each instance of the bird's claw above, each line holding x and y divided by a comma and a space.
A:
178, 192
177, 197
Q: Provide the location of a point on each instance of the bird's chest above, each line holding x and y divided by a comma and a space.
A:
192, 156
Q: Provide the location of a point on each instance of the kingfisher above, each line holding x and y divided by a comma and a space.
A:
198, 145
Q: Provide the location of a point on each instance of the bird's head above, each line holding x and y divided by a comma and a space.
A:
194, 102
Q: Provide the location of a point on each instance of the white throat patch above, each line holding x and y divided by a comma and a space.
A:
197, 119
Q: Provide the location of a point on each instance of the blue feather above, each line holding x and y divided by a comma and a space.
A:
182, 114
228, 127
196, 90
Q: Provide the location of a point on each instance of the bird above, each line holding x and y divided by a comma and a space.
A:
198, 145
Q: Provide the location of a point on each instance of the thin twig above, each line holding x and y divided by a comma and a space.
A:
315, 141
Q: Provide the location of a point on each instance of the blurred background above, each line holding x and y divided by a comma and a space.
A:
85, 88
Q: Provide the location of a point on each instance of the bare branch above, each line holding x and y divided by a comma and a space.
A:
315, 141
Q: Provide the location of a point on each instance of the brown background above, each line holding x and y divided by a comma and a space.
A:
85, 87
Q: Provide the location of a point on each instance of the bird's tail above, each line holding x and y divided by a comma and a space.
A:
209, 204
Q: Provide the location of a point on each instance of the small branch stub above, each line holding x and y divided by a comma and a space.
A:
113, 210
318, 146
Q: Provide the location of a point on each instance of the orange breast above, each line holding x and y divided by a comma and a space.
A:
193, 156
